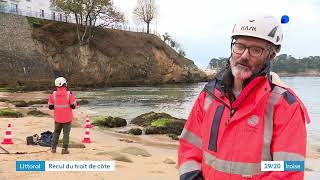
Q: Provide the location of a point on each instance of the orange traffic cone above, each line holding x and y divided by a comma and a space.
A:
88, 123
86, 138
8, 136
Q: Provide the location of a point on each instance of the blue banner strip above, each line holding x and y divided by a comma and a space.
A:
30, 165
293, 165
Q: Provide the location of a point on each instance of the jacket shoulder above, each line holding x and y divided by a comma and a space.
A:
52, 92
212, 85
288, 95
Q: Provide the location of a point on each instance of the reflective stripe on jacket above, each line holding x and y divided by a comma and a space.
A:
223, 141
62, 99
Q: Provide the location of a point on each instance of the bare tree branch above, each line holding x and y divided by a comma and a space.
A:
146, 11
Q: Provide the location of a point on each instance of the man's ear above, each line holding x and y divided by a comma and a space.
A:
271, 55
278, 48
274, 51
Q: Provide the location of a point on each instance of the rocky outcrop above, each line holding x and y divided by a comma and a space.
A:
110, 122
147, 118
170, 127
37, 113
135, 131
136, 151
160, 123
34, 52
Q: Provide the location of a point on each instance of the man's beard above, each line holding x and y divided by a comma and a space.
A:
243, 70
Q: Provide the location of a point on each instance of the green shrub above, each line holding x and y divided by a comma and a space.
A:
9, 113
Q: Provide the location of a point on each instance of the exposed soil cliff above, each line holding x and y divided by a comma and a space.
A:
35, 52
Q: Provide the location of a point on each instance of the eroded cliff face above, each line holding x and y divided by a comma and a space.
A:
38, 52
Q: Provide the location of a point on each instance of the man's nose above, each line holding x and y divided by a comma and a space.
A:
245, 54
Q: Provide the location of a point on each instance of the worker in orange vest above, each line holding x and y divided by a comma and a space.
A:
62, 102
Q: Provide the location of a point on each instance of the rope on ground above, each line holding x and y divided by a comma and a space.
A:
6, 152
35, 152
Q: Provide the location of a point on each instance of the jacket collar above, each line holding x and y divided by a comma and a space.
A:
62, 88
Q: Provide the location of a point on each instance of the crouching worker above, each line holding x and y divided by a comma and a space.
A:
62, 102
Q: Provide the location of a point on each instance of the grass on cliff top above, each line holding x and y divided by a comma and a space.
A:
9, 113
37, 21
160, 122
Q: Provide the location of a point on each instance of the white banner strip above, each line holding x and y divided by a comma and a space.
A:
79, 165
272, 166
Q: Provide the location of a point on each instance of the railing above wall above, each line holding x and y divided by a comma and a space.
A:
60, 16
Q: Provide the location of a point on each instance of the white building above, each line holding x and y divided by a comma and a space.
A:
34, 8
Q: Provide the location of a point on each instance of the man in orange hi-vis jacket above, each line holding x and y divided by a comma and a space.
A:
242, 117
62, 102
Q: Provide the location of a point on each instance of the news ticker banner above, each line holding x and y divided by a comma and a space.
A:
65, 165
110, 166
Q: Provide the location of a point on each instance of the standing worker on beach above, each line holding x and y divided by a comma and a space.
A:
242, 117
62, 102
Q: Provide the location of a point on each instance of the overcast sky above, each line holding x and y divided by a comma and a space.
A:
203, 27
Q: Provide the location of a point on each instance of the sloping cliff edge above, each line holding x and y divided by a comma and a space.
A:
34, 52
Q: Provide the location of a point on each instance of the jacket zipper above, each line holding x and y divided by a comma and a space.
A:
232, 111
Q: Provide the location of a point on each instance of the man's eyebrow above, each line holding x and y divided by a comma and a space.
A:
250, 46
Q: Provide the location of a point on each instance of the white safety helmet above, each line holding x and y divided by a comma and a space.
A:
60, 81
265, 27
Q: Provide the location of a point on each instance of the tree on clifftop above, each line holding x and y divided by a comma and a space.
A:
166, 37
145, 11
89, 14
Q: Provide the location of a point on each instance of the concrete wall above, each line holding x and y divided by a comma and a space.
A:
20, 56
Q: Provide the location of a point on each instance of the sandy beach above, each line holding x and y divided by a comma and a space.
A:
161, 165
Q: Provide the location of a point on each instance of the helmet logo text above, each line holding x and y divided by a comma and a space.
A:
248, 28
